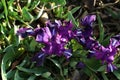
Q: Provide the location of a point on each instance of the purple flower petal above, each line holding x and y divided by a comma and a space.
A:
104, 53
91, 54
111, 67
39, 38
53, 27
24, 32
67, 53
115, 41
65, 30
48, 33
88, 20
43, 34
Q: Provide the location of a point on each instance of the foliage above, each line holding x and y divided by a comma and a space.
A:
16, 53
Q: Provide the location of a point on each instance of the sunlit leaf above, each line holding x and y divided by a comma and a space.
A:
34, 4
26, 15
32, 77
46, 75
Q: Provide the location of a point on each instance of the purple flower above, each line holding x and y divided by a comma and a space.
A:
115, 41
84, 36
54, 48
67, 53
65, 30
105, 54
91, 54
79, 36
88, 20
24, 32
53, 27
55, 36
89, 43
87, 32
117, 37
43, 35
39, 58
111, 67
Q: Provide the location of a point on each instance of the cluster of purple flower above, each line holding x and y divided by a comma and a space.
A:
104, 53
56, 35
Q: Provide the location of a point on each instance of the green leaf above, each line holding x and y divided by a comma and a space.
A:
3, 33
102, 68
28, 3
40, 13
60, 2
10, 5
88, 71
104, 76
46, 74
2, 15
11, 73
66, 72
75, 45
6, 12
17, 77
24, 61
5, 9
1, 5
33, 45
57, 2
73, 63
60, 12
9, 49
26, 15
32, 77
101, 29
113, 13
117, 74
107, 40
37, 71
58, 65
70, 17
92, 64
9, 56
34, 4
75, 9
14, 16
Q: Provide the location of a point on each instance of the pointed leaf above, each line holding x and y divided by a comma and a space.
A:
37, 71
32, 77
117, 74
9, 55
101, 29
70, 17
26, 15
